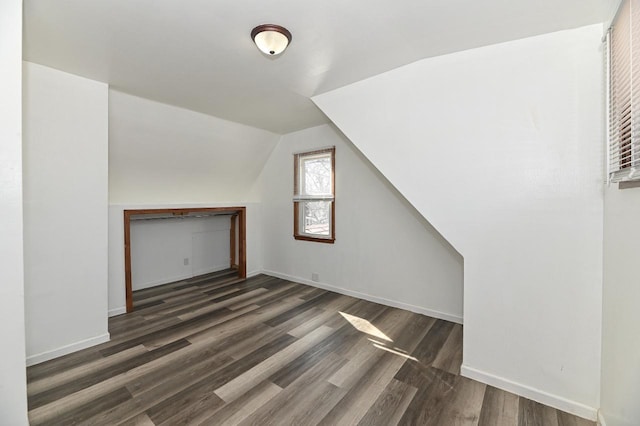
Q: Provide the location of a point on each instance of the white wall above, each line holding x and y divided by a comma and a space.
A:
384, 250
621, 308
500, 148
13, 391
162, 153
65, 211
159, 248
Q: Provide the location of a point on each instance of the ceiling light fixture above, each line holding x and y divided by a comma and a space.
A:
271, 39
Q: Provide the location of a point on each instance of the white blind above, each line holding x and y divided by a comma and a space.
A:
624, 93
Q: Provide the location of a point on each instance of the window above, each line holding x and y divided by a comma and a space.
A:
314, 196
624, 93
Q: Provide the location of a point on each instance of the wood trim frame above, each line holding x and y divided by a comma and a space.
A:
240, 212
232, 242
296, 208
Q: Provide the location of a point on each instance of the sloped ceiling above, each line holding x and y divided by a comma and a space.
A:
197, 54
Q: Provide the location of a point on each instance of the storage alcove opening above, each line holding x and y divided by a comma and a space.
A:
237, 236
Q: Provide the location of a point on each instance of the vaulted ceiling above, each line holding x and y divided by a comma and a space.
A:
198, 54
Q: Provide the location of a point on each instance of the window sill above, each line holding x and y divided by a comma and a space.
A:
317, 240
629, 184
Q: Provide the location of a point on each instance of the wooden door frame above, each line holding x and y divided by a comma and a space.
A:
240, 212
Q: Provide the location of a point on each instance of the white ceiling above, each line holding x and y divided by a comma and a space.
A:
197, 54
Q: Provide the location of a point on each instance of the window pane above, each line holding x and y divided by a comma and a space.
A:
315, 218
313, 195
316, 175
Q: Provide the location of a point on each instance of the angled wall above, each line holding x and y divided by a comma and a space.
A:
500, 148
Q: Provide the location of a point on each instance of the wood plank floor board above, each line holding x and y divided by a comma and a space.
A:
566, 419
215, 304
236, 284
149, 389
195, 412
236, 369
275, 295
329, 317
159, 340
499, 408
202, 280
306, 400
217, 350
226, 282
169, 307
267, 296
188, 300
85, 395
152, 301
246, 341
237, 411
140, 420
363, 394
315, 292
167, 408
415, 370
81, 413
188, 369
430, 399
146, 328
247, 321
86, 381
127, 323
169, 330
531, 413
297, 367
390, 406
433, 342
236, 293
226, 274
243, 382
316, 302
148, 304
76, 373
449, 357
463, 404
192, 306
54, 366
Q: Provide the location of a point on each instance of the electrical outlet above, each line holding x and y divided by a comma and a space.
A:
186, 261
315, 277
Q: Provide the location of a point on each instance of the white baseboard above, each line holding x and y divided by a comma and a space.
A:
67, 349
370, 298
117, 311
601, 421
555, 401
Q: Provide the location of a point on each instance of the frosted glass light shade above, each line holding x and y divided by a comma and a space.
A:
271, 39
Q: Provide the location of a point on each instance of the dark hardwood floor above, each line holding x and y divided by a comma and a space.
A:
216, 350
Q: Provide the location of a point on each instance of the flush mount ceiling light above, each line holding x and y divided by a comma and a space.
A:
271, 39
